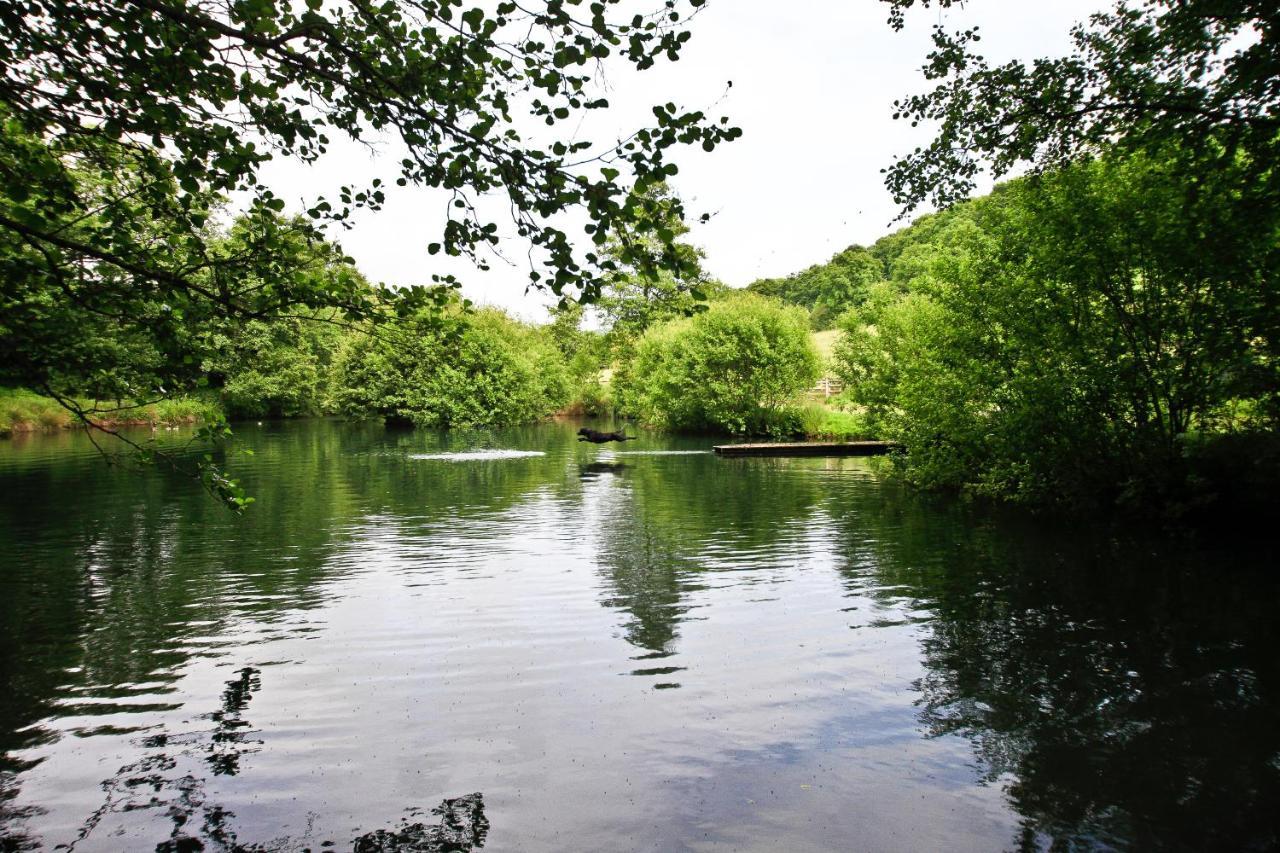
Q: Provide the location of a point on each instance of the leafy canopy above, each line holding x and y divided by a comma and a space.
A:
633, 296
206, 91
1143, 75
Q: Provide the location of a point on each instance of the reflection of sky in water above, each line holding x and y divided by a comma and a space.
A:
671, 652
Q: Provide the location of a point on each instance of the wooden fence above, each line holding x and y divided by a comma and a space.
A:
828, 386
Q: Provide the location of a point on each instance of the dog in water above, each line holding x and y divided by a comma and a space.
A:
597, 437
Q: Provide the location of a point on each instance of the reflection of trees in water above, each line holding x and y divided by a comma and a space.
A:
165, 777
110, 571
1119, 698
663, 517
229, 740
462, 827
647, 576
114, 576
1124, 695
389, 479
13, 821
167, 781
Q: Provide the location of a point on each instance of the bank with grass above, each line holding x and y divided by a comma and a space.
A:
25, 411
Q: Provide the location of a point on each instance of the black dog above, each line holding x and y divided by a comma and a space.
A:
596, 437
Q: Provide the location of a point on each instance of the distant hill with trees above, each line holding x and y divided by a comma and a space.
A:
846, 281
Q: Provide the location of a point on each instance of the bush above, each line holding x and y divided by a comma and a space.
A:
733, 368
275, 369
452, 367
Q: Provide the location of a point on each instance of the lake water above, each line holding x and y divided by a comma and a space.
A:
424, 641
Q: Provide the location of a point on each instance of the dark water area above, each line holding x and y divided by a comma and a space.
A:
513, 641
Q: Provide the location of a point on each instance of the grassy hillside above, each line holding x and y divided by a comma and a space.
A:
829, 289
825, 343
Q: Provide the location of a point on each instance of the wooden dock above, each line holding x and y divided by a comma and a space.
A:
808, 448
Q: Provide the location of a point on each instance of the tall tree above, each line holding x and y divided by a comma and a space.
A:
642, 289
1145, 75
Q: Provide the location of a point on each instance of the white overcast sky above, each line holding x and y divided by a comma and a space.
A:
813, 87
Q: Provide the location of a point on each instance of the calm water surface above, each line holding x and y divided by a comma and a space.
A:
514, 641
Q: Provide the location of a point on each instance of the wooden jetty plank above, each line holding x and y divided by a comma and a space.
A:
808, 448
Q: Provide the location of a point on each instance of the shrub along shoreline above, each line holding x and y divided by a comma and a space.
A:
741, 367
24, 412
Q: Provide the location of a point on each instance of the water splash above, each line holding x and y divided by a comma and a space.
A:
478, 455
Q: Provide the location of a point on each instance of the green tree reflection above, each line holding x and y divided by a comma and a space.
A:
1123, 694
673, 519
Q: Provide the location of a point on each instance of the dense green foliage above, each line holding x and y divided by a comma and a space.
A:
446, 366
452, 368
827, 289
1074, 338
121, 296
275, 369
734, 367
